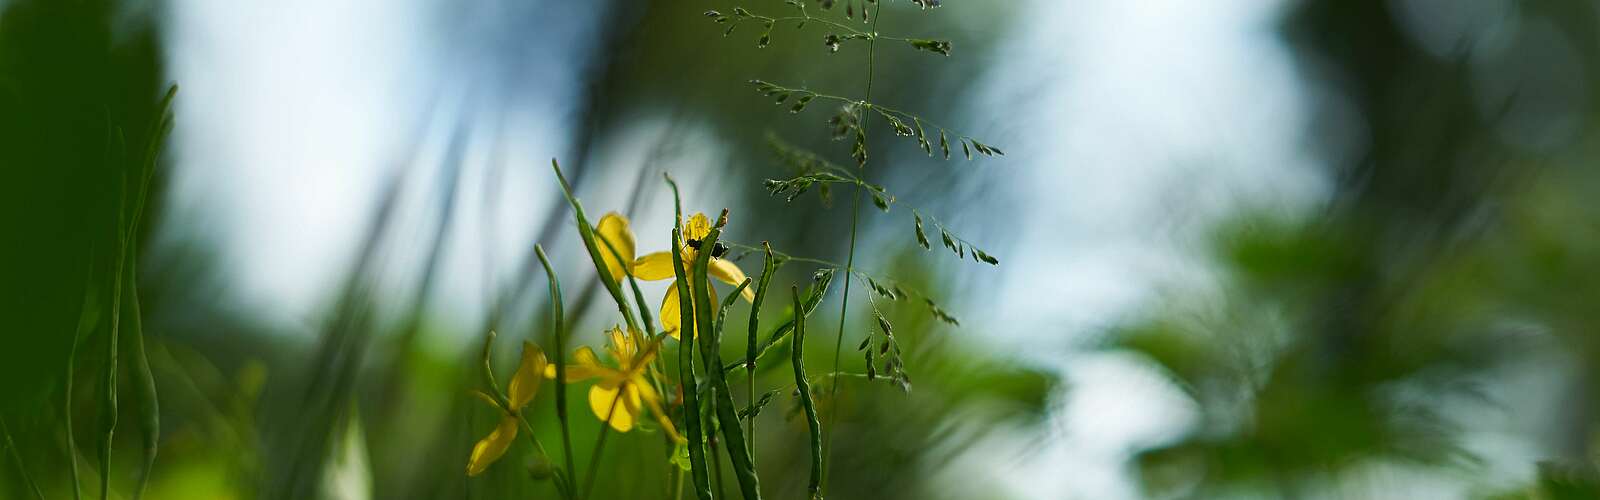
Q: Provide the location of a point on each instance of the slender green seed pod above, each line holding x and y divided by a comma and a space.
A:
586, 233
753, 345
804, 387
691, 400
727, 415
707, 331
814, 296
752, 348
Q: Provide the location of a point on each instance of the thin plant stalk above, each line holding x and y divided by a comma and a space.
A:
716, 463
560, 482
644, 310
560, 335
108, 409
86, 320
16, 456
144, 385
850, 261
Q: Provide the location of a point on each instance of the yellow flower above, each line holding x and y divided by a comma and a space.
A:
658, 266
627, 381
524, 384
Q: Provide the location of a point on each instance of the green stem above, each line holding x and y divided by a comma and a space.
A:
72, 355
716, 463
805, 17
560, 335
678, 489
750, 421
17, 456
850, 261
144, 384
638, 296
644, 310
527, 428
813, 299
108, 412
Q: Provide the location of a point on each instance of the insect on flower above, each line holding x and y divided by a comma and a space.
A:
613, 228
524, 384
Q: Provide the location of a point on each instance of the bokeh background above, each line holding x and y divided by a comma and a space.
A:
1248, 248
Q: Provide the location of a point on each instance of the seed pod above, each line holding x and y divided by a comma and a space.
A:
922, 238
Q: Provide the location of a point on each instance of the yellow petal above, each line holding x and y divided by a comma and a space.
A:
652, 399
654, 266
730, 273
493, 446
697, 228
613, 229
605, 404
586, 366
671, 317
585, 357
525, 383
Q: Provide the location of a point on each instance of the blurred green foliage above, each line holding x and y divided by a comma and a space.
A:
376, 405
1361, 343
